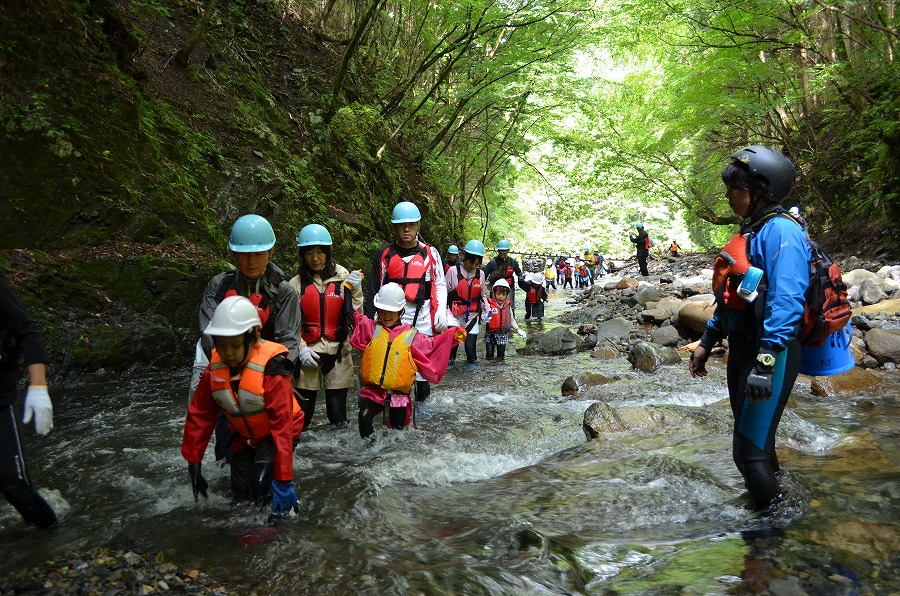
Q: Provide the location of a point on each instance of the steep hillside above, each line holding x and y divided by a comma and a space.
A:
123, 172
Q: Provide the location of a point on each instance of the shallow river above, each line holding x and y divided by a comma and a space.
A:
497, 492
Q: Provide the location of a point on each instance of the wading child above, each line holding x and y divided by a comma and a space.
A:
249, 379
535, 297
499, 320
392, 354
467, 295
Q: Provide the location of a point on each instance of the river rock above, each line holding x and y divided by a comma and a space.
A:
583, 381
626, 283
693, 315
605, 352
644, 295
648, 357
856, 276
558, 340
613, 329
884, 345
855, 381
891, 306
665, 336
654, 315
863, 539
600, 418
871, 292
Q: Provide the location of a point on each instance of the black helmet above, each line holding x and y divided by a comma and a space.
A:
767, 163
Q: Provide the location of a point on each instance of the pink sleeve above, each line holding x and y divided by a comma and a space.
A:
363, 329
432, 354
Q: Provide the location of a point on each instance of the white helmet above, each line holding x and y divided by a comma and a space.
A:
538, 278
500, 283
234, 316
390, 298
549, 262
794, 210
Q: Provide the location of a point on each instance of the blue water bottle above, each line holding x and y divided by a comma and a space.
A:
747, 289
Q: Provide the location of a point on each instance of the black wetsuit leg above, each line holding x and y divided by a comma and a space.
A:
336, 405
501, 352
423, 390
307, 404
642, 262
470, 345
397, 417
368, 409
14, 480
755, 424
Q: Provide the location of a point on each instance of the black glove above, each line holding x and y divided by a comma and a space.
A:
198, 482
759, 383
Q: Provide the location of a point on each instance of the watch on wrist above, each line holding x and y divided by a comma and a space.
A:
766, 359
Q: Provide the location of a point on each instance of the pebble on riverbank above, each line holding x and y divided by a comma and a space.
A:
110, 573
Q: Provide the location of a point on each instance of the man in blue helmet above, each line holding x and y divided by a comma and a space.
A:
256, 277
452, 257
642, 241
415, 266
506, 267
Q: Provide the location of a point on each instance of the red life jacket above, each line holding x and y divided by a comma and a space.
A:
410, 275
466, 296
322, 313
260, 301
728, 271
534, 293
501, 316
509, 274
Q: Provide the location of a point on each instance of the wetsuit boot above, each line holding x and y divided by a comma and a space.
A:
308, 404
336, 406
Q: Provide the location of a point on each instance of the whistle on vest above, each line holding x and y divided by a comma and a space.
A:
747, 290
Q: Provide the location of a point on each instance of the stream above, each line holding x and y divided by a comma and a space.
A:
496, 492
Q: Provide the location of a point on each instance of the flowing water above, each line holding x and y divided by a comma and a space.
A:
497, 492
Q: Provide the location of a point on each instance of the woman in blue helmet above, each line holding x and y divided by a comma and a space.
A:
255, 277
328, 296
764, 352
467, 295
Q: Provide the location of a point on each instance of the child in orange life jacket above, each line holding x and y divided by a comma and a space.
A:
467, 296
535, 296
392, 355
328, 295
249, 379
499, 320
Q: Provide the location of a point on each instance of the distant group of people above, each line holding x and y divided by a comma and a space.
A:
270, 343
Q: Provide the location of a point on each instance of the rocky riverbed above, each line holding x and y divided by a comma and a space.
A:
110, 573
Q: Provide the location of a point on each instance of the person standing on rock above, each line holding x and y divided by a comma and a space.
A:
21, 344
416, 267
764, 351
505, 267
328, 295
642, 242
256, 277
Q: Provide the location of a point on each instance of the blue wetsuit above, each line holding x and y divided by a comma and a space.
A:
781, 250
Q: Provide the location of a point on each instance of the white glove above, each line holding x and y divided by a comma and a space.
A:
38, 404
485, 317
440, 321
354, 279
308, 358
521, 333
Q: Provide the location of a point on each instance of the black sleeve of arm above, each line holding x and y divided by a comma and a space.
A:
374, 284
280, 365
22, 326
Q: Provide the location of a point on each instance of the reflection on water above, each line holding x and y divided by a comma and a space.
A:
496, 493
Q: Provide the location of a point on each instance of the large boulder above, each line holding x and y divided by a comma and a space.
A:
856, 277
884, 344
891, 306
613, 329
856, 381
558, 340
695, 313
665, 336
648, 357
583, 381
871, 292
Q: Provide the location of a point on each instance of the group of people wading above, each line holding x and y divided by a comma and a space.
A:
271, 343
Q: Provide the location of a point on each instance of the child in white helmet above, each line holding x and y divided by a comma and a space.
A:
535, 296
249, 380
392, 354
499, 320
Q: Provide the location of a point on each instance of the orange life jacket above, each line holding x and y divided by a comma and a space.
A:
411, 275
388, 363
466, 296
501, 316
247, 410
728, 271
323, 313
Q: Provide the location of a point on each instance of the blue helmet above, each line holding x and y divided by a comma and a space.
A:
639, 226
474, 247
251, 233
405, 212
453, 250
313, 235
503, 245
